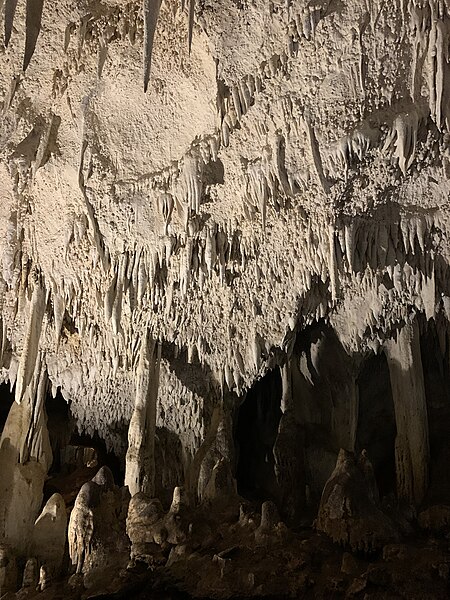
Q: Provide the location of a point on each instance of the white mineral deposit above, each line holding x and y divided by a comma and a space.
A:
224, 299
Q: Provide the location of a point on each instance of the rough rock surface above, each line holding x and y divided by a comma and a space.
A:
349, 511
306, 180
223, 258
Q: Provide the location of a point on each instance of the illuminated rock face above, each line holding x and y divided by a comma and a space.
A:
223, 242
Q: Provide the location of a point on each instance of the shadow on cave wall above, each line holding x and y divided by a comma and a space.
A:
170, 464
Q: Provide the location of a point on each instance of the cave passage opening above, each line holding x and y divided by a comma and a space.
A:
76, 456
256, 431
377, 429
105, 457
6, 401
59, 425
435, 356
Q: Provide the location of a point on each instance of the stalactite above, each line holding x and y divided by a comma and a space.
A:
277, 203
33, 28
286, 378
10, 9
29, 356
191, 23
151, 13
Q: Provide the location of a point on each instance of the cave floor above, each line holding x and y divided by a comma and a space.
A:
229, 563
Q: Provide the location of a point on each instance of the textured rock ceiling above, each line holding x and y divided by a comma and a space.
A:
223, 246
293, 166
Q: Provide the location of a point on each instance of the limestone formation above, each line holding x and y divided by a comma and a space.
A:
412, 444
221, 485
215, 476
25, 457
224, 281
349, 511
81, 524
140, 459
177, 519
8, 570
30, 574
269, 527
144, 527
96, 529
148, 525
435, 518
44, 578
289, 465
50, 534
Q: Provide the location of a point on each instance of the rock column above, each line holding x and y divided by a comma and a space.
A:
408, 392
25, 457
140, 458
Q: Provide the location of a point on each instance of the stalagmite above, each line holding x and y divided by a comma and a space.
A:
81, 524
49, 535
215, 478
270, 523
8, 570
31, 573
143, 517
349, 511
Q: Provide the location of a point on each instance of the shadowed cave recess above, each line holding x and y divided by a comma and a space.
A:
224, 299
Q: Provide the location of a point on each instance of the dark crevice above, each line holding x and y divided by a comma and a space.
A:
60, 426
104, 457
256, 432
6, 401
436, 374
76, 457
376, 430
